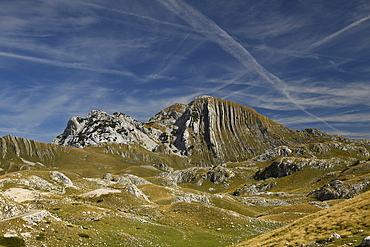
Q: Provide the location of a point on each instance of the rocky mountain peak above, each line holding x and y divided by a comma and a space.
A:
99, 127
169, 115
208, 129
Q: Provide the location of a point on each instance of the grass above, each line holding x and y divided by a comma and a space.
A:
123, 219
346, 219
12, 242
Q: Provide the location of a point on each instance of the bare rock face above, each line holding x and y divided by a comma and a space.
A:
254, 189
365, 242
289, 165
337, 189
196, 175
99, 127
223, 131
269, 154
21, 147
209, 129
189, 175
10, 208
61, 178
226, 131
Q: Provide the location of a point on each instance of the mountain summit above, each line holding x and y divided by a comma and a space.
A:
150, 184
208, 129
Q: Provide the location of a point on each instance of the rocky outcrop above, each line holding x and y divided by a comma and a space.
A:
365, 242
39, 216
9, 208
61, 178
208, 129
269, 154
225, 131
254, 189
134, 190
196, 175
163, 167
289, 165
129, 183
35, 182
99, 127
190, 175
337, 189
218, 174
125, 179
191, 197
21, 147
334, 236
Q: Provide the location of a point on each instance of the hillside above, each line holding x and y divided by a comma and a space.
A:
344, 224
207, 130
114, 181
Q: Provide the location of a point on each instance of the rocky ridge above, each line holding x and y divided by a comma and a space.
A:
207, 173
208, 129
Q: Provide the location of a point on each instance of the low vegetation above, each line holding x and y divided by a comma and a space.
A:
116, 194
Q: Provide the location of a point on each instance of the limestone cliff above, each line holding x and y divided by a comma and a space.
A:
99, 127
208, 129
219, 130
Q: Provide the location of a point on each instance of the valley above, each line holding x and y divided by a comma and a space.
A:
209, 173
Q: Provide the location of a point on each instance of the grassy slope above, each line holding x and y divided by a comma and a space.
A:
223, 222
348, 219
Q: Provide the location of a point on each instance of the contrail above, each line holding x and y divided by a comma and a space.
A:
81, 66
333, 35
136, 15
216, 34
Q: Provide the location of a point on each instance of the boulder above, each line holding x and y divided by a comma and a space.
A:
365, 242
334, 236
289, 165
337, 189
61, 178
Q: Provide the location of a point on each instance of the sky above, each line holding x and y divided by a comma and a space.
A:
302, 63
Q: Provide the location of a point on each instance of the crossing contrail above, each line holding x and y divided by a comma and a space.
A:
151, 19
335, 34
213, 32
80, 66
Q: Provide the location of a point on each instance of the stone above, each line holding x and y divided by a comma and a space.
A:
334, 236
164, 167
61, 178
99, 127
337, 189
269, 154
365, 242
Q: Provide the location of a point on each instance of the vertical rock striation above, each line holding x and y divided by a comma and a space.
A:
220, 131
208, 130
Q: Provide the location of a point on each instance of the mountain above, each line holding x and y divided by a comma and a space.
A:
208, 173
208, 129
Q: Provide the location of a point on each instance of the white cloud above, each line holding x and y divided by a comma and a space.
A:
339, 32
227, 43
70, 65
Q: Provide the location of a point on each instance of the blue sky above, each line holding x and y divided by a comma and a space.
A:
304, 64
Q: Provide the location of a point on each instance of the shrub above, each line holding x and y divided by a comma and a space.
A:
12, 242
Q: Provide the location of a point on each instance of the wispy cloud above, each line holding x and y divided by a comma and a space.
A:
47, 104
204, 25
72, 65
148, 18
339, 32
138, 57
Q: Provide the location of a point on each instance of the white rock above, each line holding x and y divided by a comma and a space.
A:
61, 178
334, 236
365, 242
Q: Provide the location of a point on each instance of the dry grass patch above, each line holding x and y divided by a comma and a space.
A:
348, 218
